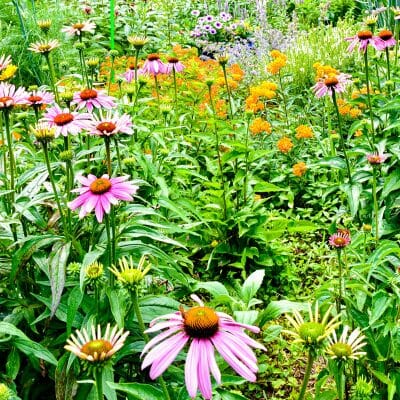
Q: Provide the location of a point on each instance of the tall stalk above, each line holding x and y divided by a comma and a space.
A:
371, 116
98, 377
310, 362
375, 201
49, 60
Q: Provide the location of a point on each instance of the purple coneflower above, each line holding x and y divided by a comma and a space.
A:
99, 193
10, 96
204, 329
153, 65
78, 28
39, 97
90, 98
110, 124
363, 38
376, 158
5, 61
336, 83
340, 239
386, 40
195, 13
66, 122
130, 74
174, 64
96, 347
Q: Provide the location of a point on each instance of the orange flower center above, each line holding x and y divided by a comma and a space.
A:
173, 60
88, 94
385, 34
153, 57
374, 159
200, 322
331, 81
100, 186
364, 35
63, 119
98, 346
5, 99
78, 26
44, 48
339, 241
35, 99
106, 127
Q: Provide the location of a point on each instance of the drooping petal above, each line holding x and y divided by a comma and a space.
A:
191, 367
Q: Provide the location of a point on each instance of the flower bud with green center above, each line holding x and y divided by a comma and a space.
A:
114, 53
341, 350
362, 389
128, 275
130, 162
94, 273
66, 155
312, 332
80, 46
5, 392
43, 132
165, 109
74, 268
67, 96
44, 25
138, 42
92, 62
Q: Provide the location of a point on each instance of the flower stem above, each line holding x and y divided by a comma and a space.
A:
108, 155
118, 155
340, 297
369, 95
108, 233
98, 377
142, 328
342, 143
246, 163
341, 380
284, 99
137, 51
157, 90
375, 200
387, 63
228, 90
310, 362
175, 88
52, 71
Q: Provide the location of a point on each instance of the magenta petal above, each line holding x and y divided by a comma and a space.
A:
203, 370
99, 211
191, 367
211, 361
160, 337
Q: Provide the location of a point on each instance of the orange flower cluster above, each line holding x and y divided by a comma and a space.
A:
260, 125
278, 62
324, 71
299, 169
346, 109
284, 145
265, 90
304, 132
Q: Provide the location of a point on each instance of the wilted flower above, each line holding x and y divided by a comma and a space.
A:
204, 329
345, 348
79, 28
44, 47
66, 122
129, 275
100, 193
91, 98
312, 332
94, 347
363, 39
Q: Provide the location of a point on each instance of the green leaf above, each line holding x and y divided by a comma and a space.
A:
216, 289
58, 264
380, 302
332, 162
89, 258
276, 308
353, 196
227, 395
271, 333
13, 364
251, 285
154, 306
139, 391
302, 226
264, 187
74, 301
246, 317
392, 182
118, 304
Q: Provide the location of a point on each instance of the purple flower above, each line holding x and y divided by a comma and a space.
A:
40, 97
386, 40
90, 98
10, 96
376, 158
174, 64
363, 39
130, 74
209, 18
218, 25
66, 122
110, 124
335, 83
205, 329
195, 13
78, 28
153, 65
207, 27
99, 193
213, 31
340, 239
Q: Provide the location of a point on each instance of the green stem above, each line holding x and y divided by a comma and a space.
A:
340, 297
6, 113
98, 377
108, 155
175, 88
137, 51
109, 257
375, 200
136, 307
310, 362
246, 164
228, 90
371, 116
387, 63
342, 143
112, 24
52, 71
118, 155
341, 380
157, 90
284, 100
396, 35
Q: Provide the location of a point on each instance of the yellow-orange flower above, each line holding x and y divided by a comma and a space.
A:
299, 169
304, 132
259, 125
324, 71
284, 145
8, 72
254, 104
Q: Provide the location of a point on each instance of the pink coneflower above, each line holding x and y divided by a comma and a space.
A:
363, 39
386, 40
90, 98
340, 239
94, 347
5, 61
79, 28
376, 158
40, 97
110, 124
9, 96
174, 64
336, 83
130, 74
66, 122
204, 329
100, 193
153, 65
